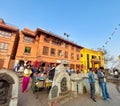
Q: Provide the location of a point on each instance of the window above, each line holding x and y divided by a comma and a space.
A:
47, 39
72, 48
52, 52
45, 50
78, 58
99, 58
57, 42
27, 50
62, 44
72, 55
93, 57
5, 33
81, 55
77, 49
60, 53
66, 54
28, 39
66, 45
4, 46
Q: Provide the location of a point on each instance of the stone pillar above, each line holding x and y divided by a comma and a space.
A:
76, 83
80, 87
74, 87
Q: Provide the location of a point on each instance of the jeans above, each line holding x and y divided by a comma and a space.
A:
104, 90
92, 90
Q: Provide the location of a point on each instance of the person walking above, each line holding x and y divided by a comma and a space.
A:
92, 84
51, 73
26, 78
103, 84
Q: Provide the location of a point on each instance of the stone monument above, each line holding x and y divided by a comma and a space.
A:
61, 85
8, 88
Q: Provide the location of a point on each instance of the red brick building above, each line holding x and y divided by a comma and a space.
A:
27, 47
39, 46
47, 48
9, 37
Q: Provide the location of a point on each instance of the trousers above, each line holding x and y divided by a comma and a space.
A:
104, 90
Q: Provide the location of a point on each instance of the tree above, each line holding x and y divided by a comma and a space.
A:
107, 56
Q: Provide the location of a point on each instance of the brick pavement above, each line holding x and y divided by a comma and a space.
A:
29, 99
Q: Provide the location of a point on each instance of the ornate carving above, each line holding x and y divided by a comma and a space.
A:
64, 85
5, 89
54, 91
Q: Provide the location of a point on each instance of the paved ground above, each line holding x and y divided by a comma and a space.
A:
32, 99
29, 99
84, 100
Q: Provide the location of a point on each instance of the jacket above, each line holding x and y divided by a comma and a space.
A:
100, 76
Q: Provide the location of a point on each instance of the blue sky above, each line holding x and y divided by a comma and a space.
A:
88, 22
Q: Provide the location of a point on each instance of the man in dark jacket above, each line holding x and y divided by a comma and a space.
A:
51, 73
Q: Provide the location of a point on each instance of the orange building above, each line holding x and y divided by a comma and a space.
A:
39, 46
47, 48
27, 47
9, 37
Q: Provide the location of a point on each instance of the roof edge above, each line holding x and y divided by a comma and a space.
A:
57, 36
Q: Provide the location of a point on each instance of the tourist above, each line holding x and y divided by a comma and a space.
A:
33, 69
26, 78
21, 68
16, 65
103, 84
51, 73
92, 84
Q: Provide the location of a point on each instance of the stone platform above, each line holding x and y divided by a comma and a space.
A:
29, 99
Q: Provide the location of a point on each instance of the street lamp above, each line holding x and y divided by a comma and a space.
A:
65, 34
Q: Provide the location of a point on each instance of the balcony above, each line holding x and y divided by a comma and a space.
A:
95, 61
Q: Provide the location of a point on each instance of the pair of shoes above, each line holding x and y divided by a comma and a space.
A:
91, 97
94, 99
106, 99
109, 98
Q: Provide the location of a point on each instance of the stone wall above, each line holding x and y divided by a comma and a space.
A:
80, 84
65, 87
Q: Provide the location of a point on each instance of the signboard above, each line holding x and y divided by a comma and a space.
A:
58, 61
65, 62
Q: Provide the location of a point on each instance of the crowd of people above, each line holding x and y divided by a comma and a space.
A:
30, 70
